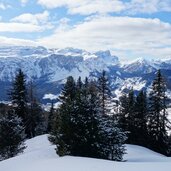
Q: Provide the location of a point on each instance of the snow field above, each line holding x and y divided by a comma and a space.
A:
41, 156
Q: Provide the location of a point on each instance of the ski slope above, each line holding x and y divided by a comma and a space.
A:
41, 156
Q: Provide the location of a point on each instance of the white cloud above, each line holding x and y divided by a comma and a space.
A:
40, 18
5, 41
4, 6
140, 36
87, 7
146, 6
24, 2
28, 22
19, 27
60, 3
63, 25
98, 6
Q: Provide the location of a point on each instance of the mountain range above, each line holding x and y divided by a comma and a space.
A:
49, 68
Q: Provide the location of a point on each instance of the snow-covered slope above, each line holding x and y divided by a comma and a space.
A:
40, 156
139, 66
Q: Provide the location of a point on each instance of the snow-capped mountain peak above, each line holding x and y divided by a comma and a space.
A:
50, 67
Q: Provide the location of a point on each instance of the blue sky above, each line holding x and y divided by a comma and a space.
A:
129, 28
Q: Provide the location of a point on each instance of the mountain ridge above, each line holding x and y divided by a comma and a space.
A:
49, 68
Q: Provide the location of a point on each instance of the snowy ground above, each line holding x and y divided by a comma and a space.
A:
41, 156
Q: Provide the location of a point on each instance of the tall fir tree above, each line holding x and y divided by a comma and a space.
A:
64, 133
113, 137
18, 95
157, 118
35, 118
131, 117
19, 98
51, 117
123, 111
126, 118
11, 135
104, 93
140, 120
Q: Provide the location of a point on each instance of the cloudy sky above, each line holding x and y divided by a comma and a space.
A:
129, 28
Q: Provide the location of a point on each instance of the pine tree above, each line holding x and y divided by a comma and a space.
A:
34, 120
104, 93
93, 129
113, 137
55, 128
157, 118
50, 118
88, 125
64, 137
11, 136
19, 98
126, 118
77, 132
140, 120
18, 95
131, 117
123, 112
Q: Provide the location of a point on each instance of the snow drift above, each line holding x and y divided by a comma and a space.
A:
40, 155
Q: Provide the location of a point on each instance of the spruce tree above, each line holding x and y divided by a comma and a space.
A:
93, 125
18, 95
157, 118
50, 118
64, 137
131, 117
112, 137
123, 112
35, 118
88, 124
19, 98
11, 135
104, 93
140, 120
126, 118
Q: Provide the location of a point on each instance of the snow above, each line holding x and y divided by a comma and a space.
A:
50, 96
41, 156
56, 64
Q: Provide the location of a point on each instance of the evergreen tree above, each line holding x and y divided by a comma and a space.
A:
104, 93
112, 137
126, 118
131, 117
35, 119
157, 118
140, 120
75, 129
55, 128
92, 129
123, 112
11, 136
18, 95
80, 128
64, 133
87, 122
50, 118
